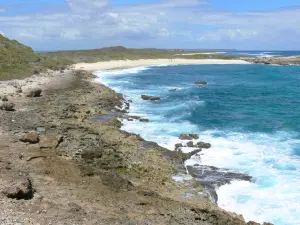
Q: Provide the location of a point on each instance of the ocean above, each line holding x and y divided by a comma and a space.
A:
249, 113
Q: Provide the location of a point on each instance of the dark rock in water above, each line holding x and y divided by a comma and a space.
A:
211, 177
16, 186
34, 93
144, 120
192, 153
7, 106
135, 117
188, 136
129, 119
190, 144
203, 145
175, 89
149, 97
32, 137
130, 101
179, 145
201, 82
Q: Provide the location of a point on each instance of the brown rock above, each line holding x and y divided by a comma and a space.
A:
50, 141
32, 137
16, 186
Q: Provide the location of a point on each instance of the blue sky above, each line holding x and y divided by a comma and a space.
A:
81, 24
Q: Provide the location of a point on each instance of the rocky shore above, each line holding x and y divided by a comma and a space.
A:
64, 160
279, 60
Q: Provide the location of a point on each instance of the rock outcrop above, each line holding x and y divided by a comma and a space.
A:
150, 98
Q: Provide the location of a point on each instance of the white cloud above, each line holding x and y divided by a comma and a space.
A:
177, 21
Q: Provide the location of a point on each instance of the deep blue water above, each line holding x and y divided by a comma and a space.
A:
249, 113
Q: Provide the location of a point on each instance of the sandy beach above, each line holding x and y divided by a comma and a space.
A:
106, 65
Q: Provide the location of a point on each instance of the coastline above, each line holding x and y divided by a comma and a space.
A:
123, 64
129, 169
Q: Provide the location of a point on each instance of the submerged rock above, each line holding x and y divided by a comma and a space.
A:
201, 82
149, 97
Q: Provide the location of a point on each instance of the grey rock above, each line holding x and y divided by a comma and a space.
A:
7, 106
34, 93
149, 97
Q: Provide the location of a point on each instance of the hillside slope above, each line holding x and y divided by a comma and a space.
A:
18, 60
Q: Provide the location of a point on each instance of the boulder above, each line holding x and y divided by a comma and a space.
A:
188, 136
173, 90
50, 141
31, 137
203, 145
179, 145
7, 106
16, 186
190, 144
34, 93
149, 97
4, 98
144, 120
135, 117
201, 82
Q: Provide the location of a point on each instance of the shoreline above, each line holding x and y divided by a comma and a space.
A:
124, 64
70, 111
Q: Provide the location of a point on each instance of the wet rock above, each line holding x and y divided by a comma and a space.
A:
252, 223
211, 178
190, 144
201, 82
149, 97
135, 117
144, 120
203, 145
19, 90
32, 137
50, 141
34, 93
179, 145
16, 186
188, 136
173, 90
7, 106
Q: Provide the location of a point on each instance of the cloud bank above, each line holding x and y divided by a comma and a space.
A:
167, 23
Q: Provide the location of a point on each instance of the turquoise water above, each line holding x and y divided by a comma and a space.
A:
250, 115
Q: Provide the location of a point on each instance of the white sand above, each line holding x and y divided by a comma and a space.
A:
107, 65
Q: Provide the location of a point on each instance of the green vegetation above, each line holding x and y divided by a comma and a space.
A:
122, 53
18, 60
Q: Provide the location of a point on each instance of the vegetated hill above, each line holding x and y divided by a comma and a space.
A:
18, 60
122, 53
